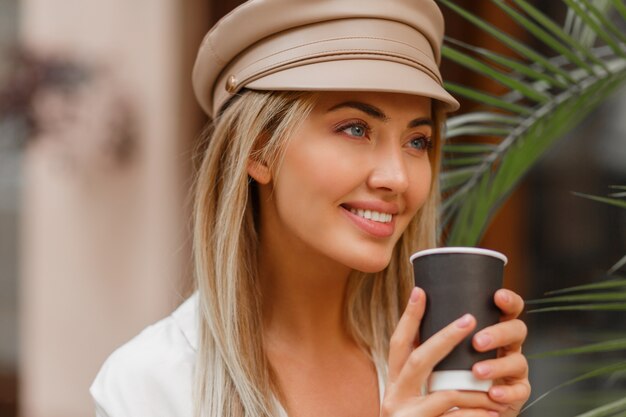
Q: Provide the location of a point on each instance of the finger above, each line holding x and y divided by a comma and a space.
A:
423, 359
508, 394
402, 341
510, 303
509, 335
472, 413
511, 367
441, 402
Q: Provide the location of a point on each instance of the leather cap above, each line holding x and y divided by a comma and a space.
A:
323, 45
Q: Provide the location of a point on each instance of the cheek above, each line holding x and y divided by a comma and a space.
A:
320, 171
420, 187
304, 184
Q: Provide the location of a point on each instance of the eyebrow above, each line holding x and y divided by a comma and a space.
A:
377, 113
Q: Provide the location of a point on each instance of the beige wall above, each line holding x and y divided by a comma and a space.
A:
102, 244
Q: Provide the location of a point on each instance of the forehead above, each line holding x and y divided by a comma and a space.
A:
394, 105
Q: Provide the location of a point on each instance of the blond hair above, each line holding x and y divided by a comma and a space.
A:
233, 376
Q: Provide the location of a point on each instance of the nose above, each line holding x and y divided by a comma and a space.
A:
389, 171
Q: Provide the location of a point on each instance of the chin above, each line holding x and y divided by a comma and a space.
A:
371, 264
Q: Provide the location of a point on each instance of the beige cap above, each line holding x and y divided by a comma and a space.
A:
323, 45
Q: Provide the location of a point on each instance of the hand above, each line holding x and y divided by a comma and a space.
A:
410, 366
510, 370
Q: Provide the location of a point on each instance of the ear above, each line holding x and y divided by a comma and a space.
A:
259, 171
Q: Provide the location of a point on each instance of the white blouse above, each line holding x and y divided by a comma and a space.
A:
152, 374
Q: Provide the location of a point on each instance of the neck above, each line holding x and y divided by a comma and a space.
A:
303, 297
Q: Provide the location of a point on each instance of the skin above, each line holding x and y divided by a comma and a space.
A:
345, 154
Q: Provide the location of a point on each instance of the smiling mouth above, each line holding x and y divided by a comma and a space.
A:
372, 215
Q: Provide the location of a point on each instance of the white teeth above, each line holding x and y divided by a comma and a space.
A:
372, 215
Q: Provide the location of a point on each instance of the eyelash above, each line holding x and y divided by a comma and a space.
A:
428, 142
427, 146
366, 129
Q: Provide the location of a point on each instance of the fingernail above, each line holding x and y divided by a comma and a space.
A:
482, 340
482, 369
415, 295
464, 321
497, 392
494, 413
506, 297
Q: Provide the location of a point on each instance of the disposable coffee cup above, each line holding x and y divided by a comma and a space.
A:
458, 280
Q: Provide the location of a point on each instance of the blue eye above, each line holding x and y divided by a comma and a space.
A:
358, 130
421, 143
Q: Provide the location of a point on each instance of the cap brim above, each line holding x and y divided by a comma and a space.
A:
356, 75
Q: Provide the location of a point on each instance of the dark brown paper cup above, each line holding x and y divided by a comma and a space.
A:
458, 280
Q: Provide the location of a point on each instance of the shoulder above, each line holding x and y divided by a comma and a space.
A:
152, 374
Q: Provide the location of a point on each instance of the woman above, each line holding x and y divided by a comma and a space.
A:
318, 182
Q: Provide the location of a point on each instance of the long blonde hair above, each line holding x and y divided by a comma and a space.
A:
233, 376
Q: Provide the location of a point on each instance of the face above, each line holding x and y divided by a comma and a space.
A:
353, 176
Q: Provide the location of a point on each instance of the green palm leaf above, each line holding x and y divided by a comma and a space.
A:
602, 296
607, 346
558, 31
545, 35
613, 200
616, 283
582, 307
543, 96
608, 410
620, 7
620, 405
518, 67
618, 265
490, 150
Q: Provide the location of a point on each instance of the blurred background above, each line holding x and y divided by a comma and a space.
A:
98, 131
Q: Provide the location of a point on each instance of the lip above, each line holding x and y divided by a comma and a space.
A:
380, 206
371, 227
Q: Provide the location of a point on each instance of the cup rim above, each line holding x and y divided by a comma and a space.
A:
460, 249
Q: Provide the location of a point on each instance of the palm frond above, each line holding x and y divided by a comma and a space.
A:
612, 201
606, 346
608, 410
489, 151
582, 307
616, 283
607, 370
618, 265
602, 296
576, 26
609, 295
559, 32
